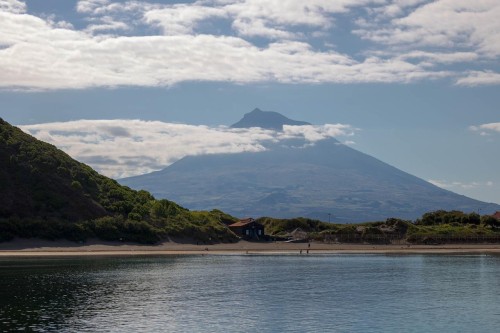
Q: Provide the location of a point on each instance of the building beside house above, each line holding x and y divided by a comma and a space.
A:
298, 235
248, 229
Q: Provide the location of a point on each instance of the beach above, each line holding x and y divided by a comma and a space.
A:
37, 247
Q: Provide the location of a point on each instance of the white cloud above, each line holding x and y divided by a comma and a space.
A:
460, 185
444, 23
108, 7
90, 6
314, 133
39, 53
44, 57
435, 58
181, 18
396, 8
269, 18
107, 23
120, 148
486, 129
12, 6
272, 18
440, 32
491, 126
477, 78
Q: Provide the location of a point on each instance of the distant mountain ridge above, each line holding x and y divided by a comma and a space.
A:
325, 180
267, 120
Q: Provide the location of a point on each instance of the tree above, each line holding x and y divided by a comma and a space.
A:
490, 221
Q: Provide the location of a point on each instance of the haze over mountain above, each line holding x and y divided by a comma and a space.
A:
294, 179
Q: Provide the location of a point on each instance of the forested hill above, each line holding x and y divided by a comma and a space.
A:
45, 193
39, 180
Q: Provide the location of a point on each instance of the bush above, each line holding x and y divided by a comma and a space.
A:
107, 228
76, 185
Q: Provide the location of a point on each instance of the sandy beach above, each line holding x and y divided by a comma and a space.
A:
36, 247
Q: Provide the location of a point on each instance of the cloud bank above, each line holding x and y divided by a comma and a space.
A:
121, 148
148, 44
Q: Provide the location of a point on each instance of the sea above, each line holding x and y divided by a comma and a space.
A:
251, 293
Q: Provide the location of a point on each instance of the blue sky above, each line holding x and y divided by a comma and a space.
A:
131, 86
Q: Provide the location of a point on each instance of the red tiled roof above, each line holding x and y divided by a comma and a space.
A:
242, 223
496, 215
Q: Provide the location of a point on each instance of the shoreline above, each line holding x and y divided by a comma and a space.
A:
40, 248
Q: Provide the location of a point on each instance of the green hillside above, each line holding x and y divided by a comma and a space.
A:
45, 193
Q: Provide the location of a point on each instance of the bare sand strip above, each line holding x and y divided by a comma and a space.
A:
35, 247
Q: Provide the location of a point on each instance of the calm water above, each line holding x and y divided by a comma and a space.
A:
344, 293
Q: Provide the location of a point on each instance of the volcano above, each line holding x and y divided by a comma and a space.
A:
326, 181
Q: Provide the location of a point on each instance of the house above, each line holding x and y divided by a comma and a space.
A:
496, 215
248, 229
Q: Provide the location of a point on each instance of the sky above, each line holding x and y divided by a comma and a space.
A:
129, 87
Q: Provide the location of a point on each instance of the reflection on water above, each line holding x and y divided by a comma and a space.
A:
347, 293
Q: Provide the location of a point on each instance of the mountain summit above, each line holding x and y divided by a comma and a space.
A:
267, 120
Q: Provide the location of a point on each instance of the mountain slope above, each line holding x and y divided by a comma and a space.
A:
327, 178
